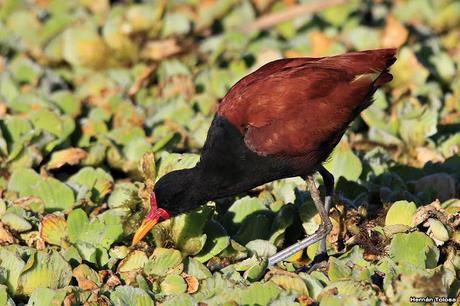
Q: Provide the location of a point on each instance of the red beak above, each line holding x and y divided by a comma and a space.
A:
150, 220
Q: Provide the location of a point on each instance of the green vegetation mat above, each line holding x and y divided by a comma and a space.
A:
100, 98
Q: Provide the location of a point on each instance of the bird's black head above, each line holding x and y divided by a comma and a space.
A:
178, 191
175, 193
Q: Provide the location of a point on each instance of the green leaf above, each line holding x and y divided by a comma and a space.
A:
82, 46
77, 222
217, 240
46, 297
127, 296
415, 249
136, 148
47, 120
254, 227
118, 41
363, 38
343, 162
356, 256
16, 222
338, 269
24, 70
47, 270
13, 264
261, 248
338, 15
195, 268
94, 179
314, 285
18, 133
72, 256
135, 260
122, 194
438, 231
102, 231
447, 17
4, 298
173, 284
54, 229
256, 271
66, 102
187, 230
164, 261
173, 161
215, 289
240, 210
208, 13
444, 65
407, 70
88, 252
283, 219
291, 283
341, 300
55, 195
28, 30
175, 23
180, 299
84, 273
143, 17
417, 123
400, 212
259, 294
8, 88
349, 291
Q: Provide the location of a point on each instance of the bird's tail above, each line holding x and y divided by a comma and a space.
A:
372, 64
363, 62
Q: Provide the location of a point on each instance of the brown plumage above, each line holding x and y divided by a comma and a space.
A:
280, 121
291, 106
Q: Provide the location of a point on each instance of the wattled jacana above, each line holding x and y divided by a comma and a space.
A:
283, 120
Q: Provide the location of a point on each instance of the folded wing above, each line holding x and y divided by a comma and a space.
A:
294, 106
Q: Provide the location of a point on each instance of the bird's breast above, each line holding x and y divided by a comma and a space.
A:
228, 166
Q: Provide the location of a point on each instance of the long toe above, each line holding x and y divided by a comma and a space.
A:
320, 263
321, 266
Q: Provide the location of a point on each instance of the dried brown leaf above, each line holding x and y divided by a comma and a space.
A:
80, 273
425, 155
2, 109
192, 283
113, 281
70, 156
69, 300
432, 210
86, 284
305, 300
394, 35
320, 43
161, 49
5, 236
140, 80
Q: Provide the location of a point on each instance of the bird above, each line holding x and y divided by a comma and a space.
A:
282, 120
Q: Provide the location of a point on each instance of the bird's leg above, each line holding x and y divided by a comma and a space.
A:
328, 180
320, 233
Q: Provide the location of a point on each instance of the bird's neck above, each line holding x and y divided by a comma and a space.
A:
203, 185
183, 190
